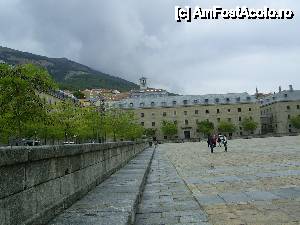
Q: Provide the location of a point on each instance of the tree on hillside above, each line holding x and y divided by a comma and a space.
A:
169, 128
295, 121
19, 103
205, 127
249, 125
226, 127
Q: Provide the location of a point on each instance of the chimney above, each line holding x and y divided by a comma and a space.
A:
279, 89
291, 87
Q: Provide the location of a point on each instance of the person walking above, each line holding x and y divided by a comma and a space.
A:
155, 142
219, 140
208, 141
215, 140
225, 142
211, 142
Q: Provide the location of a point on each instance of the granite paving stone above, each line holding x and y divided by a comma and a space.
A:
261, 196
256, 182
166, 199
210, 200
287, 193
235, 197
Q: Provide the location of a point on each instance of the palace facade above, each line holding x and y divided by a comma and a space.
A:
187, 110
271, 112
278, 109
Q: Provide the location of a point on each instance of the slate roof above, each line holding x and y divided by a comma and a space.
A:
184, 100
286, 95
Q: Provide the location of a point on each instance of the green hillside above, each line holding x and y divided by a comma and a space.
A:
67, 73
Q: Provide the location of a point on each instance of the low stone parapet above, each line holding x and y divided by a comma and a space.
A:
37, 183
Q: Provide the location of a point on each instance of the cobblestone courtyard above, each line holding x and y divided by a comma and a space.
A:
256, 182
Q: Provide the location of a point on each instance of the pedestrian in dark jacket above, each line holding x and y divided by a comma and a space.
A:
215, 140
211, 142
208, 141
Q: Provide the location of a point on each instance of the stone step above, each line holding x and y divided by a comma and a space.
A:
115, 200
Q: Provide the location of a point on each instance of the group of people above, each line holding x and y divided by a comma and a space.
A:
215, 139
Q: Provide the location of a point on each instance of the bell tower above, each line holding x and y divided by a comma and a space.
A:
143, 83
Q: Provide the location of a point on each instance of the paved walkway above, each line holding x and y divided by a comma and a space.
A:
166, 199
114, 201
257, 182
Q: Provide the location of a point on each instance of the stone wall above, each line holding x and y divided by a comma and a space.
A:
37, 183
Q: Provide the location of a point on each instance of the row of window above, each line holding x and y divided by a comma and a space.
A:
196, 112
289, 127
265, 111
288, 107
274, 98
186, 122
185, 102
289, 116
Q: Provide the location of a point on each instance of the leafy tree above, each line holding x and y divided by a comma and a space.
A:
169, 128
113, 122
134, 131
78, 94
150, 132
67, 115
46, 129
205, 127
295, 121
5, 130
19, 103
23, 114
121, 124
226, 127
90, 124
249, 125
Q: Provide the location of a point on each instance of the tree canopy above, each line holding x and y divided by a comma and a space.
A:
249, 125
169, 128
23, 114
295, 121
226, 127
122, 124
19, 103
150, 132
205, 127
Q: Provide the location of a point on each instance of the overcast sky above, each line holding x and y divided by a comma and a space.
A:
133, 38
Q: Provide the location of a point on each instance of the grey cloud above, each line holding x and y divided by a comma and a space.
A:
134, 38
